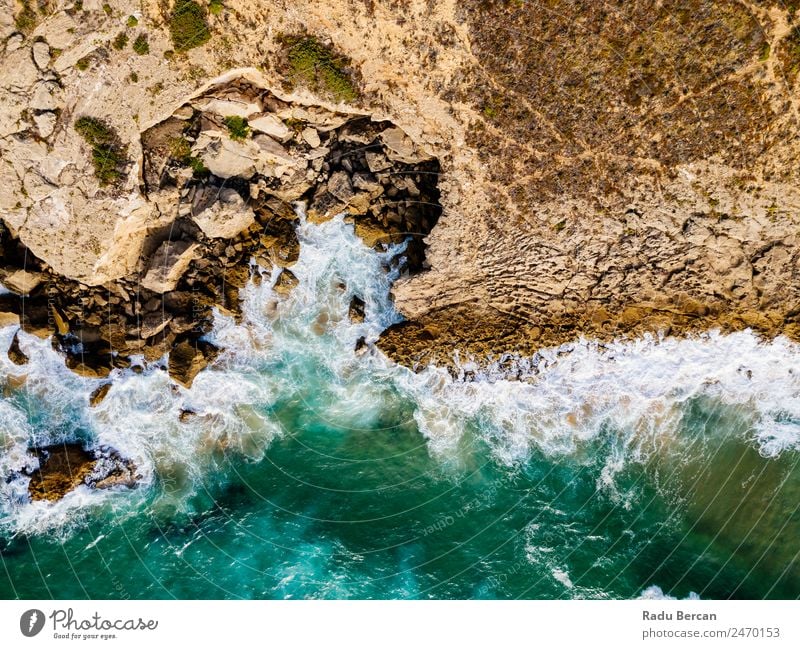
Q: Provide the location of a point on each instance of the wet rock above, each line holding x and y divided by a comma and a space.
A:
8, 318
15, 354
286, 282
62, 468
98, 394
168, 265
356, 310
187, 359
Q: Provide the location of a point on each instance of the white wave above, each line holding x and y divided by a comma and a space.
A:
655, 592
300, 349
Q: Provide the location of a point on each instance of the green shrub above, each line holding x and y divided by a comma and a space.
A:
237, 127
107, 8
120, 41
215, 7
83, 64
313, 64
132, 21
140, 45
188, 26
25, 21
108, 154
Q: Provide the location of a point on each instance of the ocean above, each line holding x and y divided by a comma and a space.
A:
310, 469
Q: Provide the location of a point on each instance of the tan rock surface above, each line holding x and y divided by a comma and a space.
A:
605, 170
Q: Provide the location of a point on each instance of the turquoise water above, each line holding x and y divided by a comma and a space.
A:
651, 468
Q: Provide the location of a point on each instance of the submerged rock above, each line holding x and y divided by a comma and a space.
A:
15, 354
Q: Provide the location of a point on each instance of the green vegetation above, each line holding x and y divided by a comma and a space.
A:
793, 49
107, 8
84, 63
315, 65
237, 127
140, 45
120, 41
132, 21
181, 151
763, 55
108, 154
133, 77
215, 7
188, 26
25, 20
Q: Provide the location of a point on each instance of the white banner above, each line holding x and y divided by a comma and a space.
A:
421, 625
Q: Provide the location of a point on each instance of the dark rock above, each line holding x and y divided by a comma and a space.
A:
99, 394
16, 355
356, 310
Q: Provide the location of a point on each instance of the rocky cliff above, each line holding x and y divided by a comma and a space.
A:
603, 169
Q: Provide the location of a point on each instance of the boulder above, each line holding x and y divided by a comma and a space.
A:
226, 217
224, 157
41, 54
272, 126
400, 147
187, 359
47, 95
15, 354
98, 394
339, 186
168, 265
311, 136
62, 468
22, 282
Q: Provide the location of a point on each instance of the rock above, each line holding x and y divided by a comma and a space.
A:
14, 42
62, 468
184, 112
168, 265
228, 107
400, 147
356, 310
340, 187
226, 217
98, 394
47, 95
376, 161
311, 136
41, 54
187, 360
367, 183
61, 324
15, 354
22, 282
226, 158
153, 324
45, 123
286, 282
272, 126
112, 470
8, 318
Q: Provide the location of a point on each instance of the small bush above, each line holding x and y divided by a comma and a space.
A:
188, 26
215, 7
107, 8
108, 154
315, 65
132, 21
84, 63
25, 21
237, 127
140, 45
120, 41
